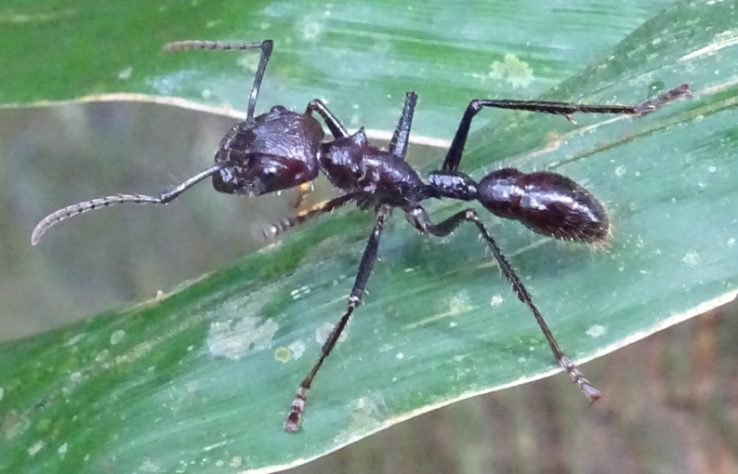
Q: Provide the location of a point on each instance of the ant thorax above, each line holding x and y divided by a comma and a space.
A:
353, 164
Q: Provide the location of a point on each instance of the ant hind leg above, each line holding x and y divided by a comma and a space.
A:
419, 218
567, 109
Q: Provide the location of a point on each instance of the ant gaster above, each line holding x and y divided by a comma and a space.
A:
282, 149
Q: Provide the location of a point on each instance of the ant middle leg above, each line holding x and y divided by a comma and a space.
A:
294, 418
567, 109
419, 218
302, 191
266, 52
316, 210
401, 136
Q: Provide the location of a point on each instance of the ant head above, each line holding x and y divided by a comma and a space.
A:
252, 174
274, 151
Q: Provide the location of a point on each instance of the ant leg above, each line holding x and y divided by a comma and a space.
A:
322, 207
337, 130
334, 125
398, 144
302, 191
266, 52
419, 218
294, 418
85, 206
453, 157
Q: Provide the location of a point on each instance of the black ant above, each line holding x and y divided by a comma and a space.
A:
282, 149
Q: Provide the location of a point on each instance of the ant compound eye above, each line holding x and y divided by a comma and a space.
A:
228, 180
226, 175
358, 172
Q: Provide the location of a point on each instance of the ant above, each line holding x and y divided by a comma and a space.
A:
283, 149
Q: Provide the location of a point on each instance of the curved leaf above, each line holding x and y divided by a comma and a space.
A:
200, 379
360, 57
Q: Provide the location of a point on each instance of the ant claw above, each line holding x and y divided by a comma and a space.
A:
294, 418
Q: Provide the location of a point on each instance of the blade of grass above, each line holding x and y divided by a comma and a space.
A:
202, 377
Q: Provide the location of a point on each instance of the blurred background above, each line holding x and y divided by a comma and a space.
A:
671, 401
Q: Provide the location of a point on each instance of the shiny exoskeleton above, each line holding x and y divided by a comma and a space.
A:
282, 149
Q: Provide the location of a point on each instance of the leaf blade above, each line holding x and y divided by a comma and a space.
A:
666, 156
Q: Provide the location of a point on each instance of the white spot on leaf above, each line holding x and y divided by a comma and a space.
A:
365, 414
117, 336
310, 28
511, 69
149, 466
297, 348
249, 62
235, 338
35, 448
74, 340
459, 303
596, 331
125, 73
691, 258
300, 292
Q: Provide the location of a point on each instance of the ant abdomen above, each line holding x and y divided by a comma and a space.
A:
547, 203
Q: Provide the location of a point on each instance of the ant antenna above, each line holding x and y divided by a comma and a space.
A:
266, 52
85, 206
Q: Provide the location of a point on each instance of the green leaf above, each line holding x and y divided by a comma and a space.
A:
201, 378
361, 57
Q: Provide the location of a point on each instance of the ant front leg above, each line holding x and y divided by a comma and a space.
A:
567, 109
294, 418
419, 218
337, 130
334, 125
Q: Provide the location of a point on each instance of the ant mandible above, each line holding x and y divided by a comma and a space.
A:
282, 149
